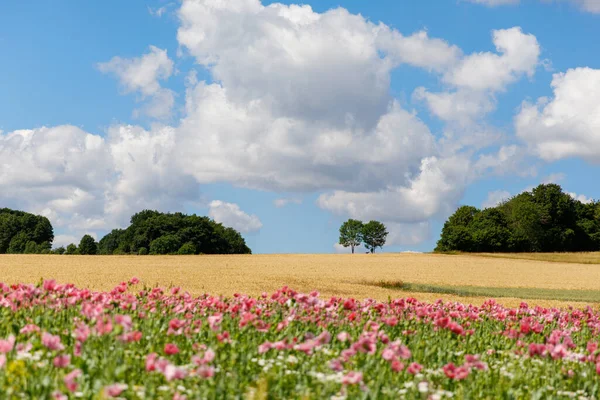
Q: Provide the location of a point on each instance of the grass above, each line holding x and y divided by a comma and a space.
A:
577, 258
585, 296
331, 274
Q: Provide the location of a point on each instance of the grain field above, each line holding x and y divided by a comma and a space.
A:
341, 275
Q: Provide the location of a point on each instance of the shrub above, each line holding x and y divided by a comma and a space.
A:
143, 251
187, 249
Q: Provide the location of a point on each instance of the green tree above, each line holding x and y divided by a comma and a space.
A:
456, 233
143, 251
31, 248
88, 246
374, 235
72, 249
60, 250
18, 243
147, 226
187, 249
351, 233
490, 232
168, 244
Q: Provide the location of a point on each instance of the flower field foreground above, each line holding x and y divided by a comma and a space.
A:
61, 342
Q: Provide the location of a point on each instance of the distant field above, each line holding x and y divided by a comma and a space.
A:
461, 277
578, 258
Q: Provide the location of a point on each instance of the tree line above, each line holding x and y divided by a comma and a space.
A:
22, 232
353, 233
149, 232
545, 219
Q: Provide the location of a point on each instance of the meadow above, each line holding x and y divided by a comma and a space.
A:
297, 327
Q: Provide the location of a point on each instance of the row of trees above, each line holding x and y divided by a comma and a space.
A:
150, 232
153, 232
22, 232
353, 233
543, 220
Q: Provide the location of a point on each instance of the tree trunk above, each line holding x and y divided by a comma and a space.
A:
352, 246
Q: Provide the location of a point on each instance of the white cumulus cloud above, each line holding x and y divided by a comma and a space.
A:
142, 74
568, 124
230, 214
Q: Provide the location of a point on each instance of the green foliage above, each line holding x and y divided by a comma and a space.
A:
543, 220
17, 228
143, 251
187, 249
110, 243
88, 246
351, 233
72, 250
374, 235
166, 233
31, 248
60, 250
167, 244
18, 243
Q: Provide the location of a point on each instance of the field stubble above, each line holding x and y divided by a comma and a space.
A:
341, 275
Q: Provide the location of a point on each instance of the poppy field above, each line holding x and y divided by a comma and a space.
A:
58, 341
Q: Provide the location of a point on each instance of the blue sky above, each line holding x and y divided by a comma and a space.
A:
283, 121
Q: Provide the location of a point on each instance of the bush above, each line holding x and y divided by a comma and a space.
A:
72, 249
167, 244
60, 250
187, 249
143, 251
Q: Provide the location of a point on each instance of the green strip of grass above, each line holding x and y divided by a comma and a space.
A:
587, 296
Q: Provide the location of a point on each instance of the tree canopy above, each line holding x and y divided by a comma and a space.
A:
173, 233
351, 234
354, 233
88, 246
374, 235
544, 219
22, 232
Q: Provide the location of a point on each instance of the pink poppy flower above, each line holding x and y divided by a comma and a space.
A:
70, 380
62, 361
414, 368
52, 342
114, 390
59, 396
7, 345
171, 349
352, 378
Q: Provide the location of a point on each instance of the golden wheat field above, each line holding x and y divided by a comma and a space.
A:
340, 275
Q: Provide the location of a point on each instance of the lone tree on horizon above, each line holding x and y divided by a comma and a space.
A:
374, 235
351, 234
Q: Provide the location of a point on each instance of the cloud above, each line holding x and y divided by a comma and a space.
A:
496, 197
298, 102
282, 202
142, 75
230, 214
339, 249
160, 11
581, 197
519, 54
65, 240
433, 192
474, 79
566, 125
592, 6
